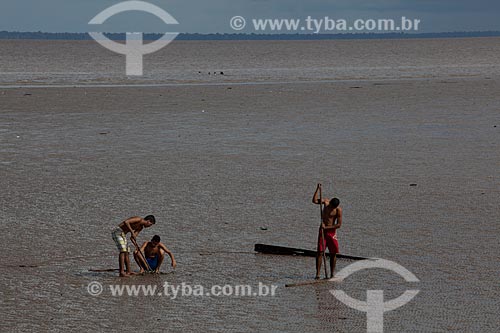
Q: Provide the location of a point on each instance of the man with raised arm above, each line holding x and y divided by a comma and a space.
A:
331, 217
134, 225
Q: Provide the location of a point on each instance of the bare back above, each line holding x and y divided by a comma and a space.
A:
136, 226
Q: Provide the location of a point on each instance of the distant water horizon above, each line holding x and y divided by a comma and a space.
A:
250, 36
233, 62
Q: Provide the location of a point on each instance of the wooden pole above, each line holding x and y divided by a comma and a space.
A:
323, 243
143, 257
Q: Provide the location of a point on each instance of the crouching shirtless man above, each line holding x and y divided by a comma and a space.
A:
154, 252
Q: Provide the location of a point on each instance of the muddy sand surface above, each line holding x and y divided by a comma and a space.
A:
414, 162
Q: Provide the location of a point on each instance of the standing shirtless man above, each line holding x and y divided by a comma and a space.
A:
331, 220
134, 225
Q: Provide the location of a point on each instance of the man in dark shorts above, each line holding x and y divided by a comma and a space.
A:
331, 221
154, 251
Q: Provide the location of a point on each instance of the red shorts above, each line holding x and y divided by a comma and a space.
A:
330, 240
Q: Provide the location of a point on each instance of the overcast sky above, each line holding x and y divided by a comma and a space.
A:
208, 16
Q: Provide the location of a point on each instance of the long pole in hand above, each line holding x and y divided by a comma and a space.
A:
143, 257
323, 243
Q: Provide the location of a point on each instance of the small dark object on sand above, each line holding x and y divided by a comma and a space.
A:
263, 228
413, 184
27, 94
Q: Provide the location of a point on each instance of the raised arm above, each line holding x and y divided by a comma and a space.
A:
315, 199
170, 254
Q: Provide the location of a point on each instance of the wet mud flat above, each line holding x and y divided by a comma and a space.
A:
414, 162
